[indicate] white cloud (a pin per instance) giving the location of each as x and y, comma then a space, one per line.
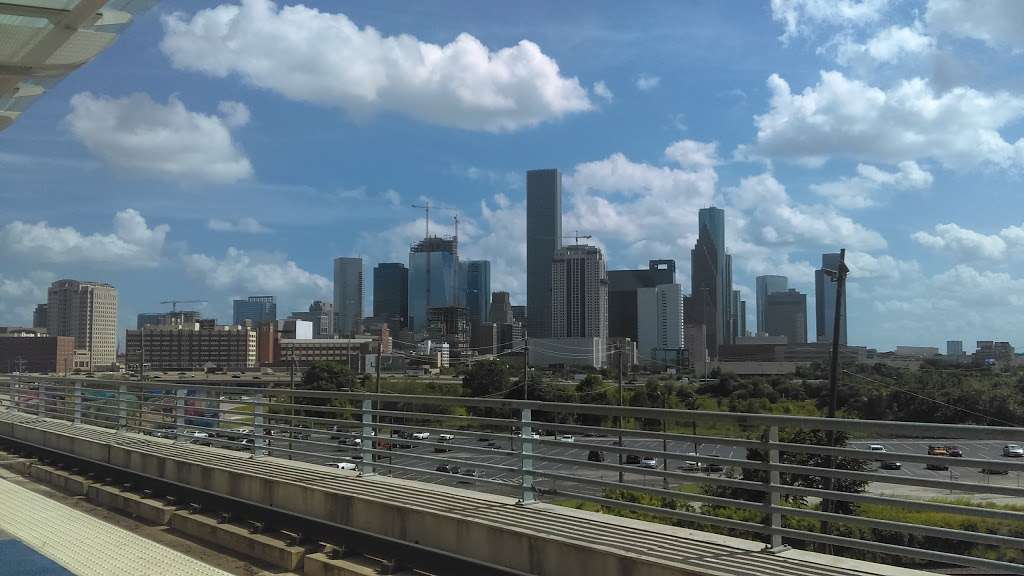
995, 22
866, 266
646, 82
694, 154
844, 117
972, 245
165, 140
19, 296
245, 272
312, 56
393, 198
601, 89
770, 217
245, 225
860, 191
132, 243
889, 45
800, 17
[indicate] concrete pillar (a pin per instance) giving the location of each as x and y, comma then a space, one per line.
77, 400
367, 438
526, 455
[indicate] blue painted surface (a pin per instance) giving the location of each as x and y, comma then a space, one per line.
17, 559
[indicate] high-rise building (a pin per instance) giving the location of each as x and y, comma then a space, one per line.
519, 314
954, 348
786, 315
543, 238
433, 278
743, 319
659, 322
39, 319
711, 279
825, 300
348, 296
391, 293
321, 315
765, 285
166, 318
191, 346
86, 311
579, 290
622, 294
450, 324
256, 309
501, 308
478, 290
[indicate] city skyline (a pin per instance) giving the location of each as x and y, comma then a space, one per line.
638, 160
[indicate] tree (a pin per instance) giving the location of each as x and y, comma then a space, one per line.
326, 376
591, 390
485, 378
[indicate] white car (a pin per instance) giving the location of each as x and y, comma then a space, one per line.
566, 438
876, 448
420, 435
446, 437
342, 465
691, 464
648, 462
1013, 451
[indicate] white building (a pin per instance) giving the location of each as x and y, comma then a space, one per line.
86, 311
586, 351
579, 293
659, 321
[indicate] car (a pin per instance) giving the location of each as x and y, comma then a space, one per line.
648, 462
890, 465
954, 451
167, 432
713, 467
1013, 451
443, 468
336, 432
632, 459
994, 471
421, 435
343, 465
937, 451
441, 449
595, 456
201, 438
876, 448
446, 437
469, 472
691, 464
566, 438
492, 445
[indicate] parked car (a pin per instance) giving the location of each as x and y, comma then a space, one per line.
421, 436
596, 456
446, 437
566, 438
648, 462
713, 467
632, 459
447, 468
343, 465
1013, 451
954, 451
167, 432
876, 448
691, 464
937, 451
994, 471
890, 465
470, 472
441, 449
201, 438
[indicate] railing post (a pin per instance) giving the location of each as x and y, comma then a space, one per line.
179, 412
257, 425
774, 495
122, 406
77, 391
41, 402
366, 441
526, 455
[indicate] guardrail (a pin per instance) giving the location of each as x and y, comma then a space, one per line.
774, 490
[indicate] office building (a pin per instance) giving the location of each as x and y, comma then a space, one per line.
622, 295
433, 279
86, 311
825, 300
166, 318
321, 316
587, 352
510, 336
990, 352
191, 347
501, 308
39, 318
786, 315
391, 294
256, 309
579, 290
917, 351
350, 352
543, 238
348, 296
486, 338
743, 332
765, 285
711, 280
659, 323
737, 315
33, 351
477, 277
519, 315
450, 324
954, 348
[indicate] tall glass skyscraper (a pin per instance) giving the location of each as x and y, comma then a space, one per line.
766, 285
478, 290
825, 301
348, 295
711, 280
258, 309
543, 238
433, 278
391, 292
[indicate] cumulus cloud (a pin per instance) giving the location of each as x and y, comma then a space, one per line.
131, 244
800, 17
646, 82
995, 22
323, 58
888, 46
19, 295
165, 140
393, 198
860, 191
244, 225
245, 272
693, 154
965, 243
846, 117
601, 89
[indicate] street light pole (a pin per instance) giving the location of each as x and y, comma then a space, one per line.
839, 275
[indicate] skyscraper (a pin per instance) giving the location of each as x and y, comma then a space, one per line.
579, 290
954, 348
543, 238
348, 296
786, 315
433, 278
391, 292
501, 308
258, 309
711, 279
86, 311
39, 316
321, 315
825, 301
765, 285
478, 290
659, 322
622, 294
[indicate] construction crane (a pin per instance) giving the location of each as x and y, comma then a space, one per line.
425, 207
174, 303
577, 236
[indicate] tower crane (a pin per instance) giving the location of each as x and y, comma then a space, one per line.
576, 237
174, 303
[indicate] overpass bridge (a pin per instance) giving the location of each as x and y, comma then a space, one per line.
260, 453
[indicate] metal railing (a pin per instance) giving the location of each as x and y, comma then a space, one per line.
763, 488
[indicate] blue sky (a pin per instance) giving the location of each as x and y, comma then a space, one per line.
220, 150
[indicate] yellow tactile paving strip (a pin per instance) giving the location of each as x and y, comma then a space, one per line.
87, 546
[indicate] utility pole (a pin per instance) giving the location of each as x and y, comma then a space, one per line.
526, 368
619, 416
839, 276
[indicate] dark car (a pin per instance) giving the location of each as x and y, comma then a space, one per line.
596, 456
632, 458
890, 465
954, 451
443, 468
713, 467
994, 471
441, 449
469, 472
